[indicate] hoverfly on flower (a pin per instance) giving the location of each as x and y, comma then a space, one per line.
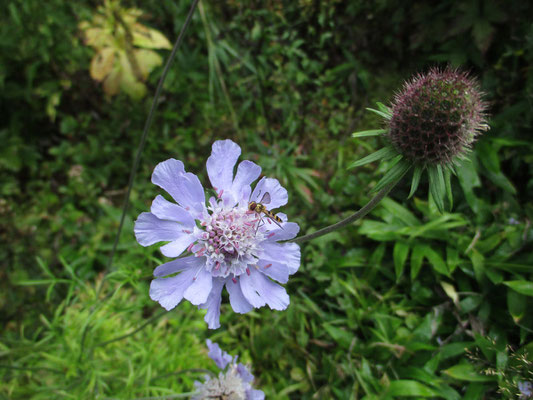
259, 207
219, 242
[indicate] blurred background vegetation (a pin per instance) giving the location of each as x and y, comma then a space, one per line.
408, 302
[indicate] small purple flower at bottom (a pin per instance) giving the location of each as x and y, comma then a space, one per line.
232, 383
225, 243
526, 389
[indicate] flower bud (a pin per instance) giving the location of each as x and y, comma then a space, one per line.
437, 116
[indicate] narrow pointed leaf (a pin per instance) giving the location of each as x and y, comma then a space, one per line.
417, 257
522, 287
372, 132
384, 108
411, 388
393, 175
416, 180
380, 113
385, 153
448, 184
437, 186
400, 253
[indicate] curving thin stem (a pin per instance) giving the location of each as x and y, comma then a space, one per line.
140, 328
354, 217
168, 396
185, 371
147, 127
135, 165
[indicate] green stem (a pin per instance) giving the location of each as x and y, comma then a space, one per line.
354, 217
169, 396
136, 161
147, 128
140, 328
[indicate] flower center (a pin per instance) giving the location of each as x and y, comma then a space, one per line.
227, 386
230, 239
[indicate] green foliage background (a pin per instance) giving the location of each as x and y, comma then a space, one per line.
407, 302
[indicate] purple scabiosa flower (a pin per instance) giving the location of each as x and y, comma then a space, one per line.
221, 243
526, 389
235, 383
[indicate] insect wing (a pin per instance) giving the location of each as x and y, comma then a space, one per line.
266, 198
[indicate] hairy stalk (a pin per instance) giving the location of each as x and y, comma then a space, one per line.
140, 328
354, 217
169, 396
147, 126
185, 371
136, 162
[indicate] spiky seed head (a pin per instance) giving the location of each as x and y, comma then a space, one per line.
437, 116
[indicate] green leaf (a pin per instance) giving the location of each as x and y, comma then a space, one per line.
470, 303
466, 372
475, 391
399, 254
393, 175
448, 184
488, 155
478, 262
400, 212
454, 349
385, 153
501, 180
452, 258
384, 108
373, 132
409, 388
417, 173
437, 186
436, 261
385, 115
417, 257
343, 337
522, 287
469, 179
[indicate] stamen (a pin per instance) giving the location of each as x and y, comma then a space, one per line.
268, 266
270, 235
186, 231
220, 194
200, 252
190, 247
248, 271
234, 280
217, 266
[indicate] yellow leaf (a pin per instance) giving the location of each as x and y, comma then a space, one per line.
102, 63
450, 291
131, 14
149, 38
112, 82
97, 37
147, 60
128, 82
